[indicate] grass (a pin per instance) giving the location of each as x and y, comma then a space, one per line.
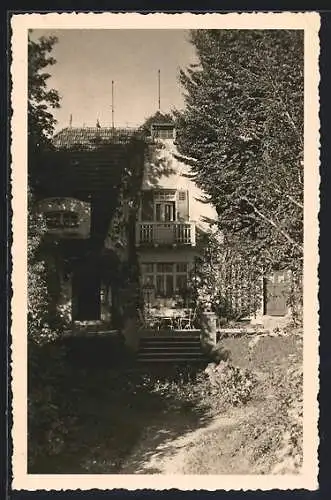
107, 408
268, 436
104, 404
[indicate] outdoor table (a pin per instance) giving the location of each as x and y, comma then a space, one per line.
172, 318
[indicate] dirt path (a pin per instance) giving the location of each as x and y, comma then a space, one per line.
158, 452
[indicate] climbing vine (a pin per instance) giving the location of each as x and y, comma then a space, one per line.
223, 281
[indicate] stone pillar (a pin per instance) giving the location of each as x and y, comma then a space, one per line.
130, 333
208, 330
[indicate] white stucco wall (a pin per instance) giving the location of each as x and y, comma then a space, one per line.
174, 178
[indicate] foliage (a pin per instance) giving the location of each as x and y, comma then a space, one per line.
40, 99
39, 329
44, 359
242, 130
45, 426
223, 281
272, 435
289, 455
212, 390
44, 322
234, 384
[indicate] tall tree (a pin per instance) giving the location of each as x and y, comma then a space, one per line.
41, 99
242, 132
40, 128
43, 327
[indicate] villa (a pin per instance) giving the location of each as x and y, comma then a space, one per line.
124, 217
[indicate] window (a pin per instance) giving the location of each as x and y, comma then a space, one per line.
60, 220
165, 267
165, 195
53, 220
164, 133
158, 212
169, 285
165, 211
169, 211
147, 267
168, 278
148, 280
165, 285
181, 267
70, 219
181, 282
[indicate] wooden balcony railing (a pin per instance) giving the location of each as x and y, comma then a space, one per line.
165, 233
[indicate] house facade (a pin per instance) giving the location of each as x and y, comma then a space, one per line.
171, 215
81, 189
124, 217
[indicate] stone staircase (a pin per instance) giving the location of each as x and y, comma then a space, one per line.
171, 349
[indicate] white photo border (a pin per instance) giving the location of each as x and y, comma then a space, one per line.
20, 24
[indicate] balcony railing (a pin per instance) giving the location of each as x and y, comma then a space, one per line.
165, 233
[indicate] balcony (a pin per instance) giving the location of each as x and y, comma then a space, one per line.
165, 233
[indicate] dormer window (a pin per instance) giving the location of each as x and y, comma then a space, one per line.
61, 220
163, 130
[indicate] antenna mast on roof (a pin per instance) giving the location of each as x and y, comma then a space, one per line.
112, 104
159, 87
70, 121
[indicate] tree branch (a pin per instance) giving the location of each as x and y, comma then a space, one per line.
286, 112
273, 224
289, 197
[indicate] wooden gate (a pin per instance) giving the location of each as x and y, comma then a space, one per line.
276, 294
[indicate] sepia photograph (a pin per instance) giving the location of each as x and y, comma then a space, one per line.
165, 197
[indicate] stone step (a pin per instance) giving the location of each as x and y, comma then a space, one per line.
170, 356
183, 340
171, 360
167, 352
171, 348
166, 345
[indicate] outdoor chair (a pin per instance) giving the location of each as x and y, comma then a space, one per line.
189, 320
167, 323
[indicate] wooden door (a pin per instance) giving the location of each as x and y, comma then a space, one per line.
86, 288
276, 294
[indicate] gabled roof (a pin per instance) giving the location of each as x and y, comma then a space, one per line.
89, 138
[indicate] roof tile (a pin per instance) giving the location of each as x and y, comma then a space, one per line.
89, 138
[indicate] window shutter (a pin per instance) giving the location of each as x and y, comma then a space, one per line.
147, 206
182, 205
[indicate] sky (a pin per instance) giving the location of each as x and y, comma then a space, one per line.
88, 61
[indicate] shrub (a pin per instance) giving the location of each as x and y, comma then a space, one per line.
232, 384
213, 389
224, 280
45, 427
289, 454
218, 354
